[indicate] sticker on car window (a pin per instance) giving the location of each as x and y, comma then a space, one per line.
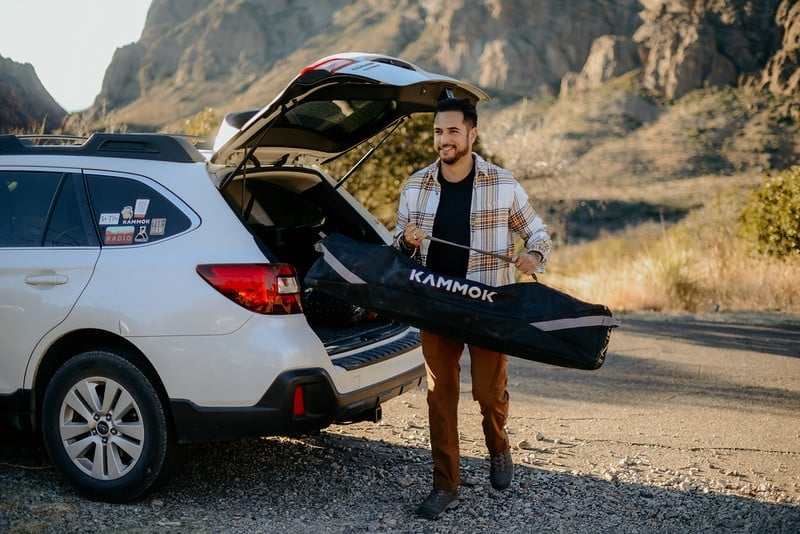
141, 208
141, 235
109, 218
157, 226
118, 235
127, 213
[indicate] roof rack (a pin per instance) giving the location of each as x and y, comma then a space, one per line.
158, 147
51, 139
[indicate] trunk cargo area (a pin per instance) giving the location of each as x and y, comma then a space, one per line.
288, 212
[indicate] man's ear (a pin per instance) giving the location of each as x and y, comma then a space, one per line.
473, 134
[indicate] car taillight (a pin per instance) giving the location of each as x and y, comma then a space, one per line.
329, 64
268, 288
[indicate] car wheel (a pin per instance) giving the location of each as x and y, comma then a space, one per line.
105, 427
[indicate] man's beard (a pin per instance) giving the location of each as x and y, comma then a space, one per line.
456, 155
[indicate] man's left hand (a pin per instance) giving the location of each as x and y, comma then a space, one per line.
527, 263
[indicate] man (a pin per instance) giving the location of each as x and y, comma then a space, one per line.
464, 199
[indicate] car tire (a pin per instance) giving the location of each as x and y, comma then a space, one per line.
105, 427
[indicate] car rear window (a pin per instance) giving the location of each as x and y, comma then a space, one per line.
336, 118
130, 212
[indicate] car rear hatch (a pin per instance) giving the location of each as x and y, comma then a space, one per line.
331, 107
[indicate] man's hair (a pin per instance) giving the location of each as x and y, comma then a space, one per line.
459, 104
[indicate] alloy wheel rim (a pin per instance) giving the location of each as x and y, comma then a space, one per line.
101, 428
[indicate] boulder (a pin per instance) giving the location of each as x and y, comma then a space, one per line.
609, 57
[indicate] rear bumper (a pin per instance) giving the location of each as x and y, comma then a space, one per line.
273, 414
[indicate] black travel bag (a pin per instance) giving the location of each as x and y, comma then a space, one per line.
525, 320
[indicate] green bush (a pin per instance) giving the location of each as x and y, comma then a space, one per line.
203, 123
771, 220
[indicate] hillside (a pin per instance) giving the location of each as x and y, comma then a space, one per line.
596, 93
25, 105
600, 106
616, 156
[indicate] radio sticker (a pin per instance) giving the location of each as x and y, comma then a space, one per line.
118, 235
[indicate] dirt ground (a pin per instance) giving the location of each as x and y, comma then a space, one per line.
707, 403
691, 425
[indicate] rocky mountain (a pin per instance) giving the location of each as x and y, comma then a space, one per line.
596, 92
239, 53
25, 105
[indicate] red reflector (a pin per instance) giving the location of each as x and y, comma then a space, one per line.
268, 288
299, 407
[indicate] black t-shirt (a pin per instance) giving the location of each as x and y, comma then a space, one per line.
452, 223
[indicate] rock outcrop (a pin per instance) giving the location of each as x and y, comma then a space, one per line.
686, 45
25, 105
782, 73
609, 57
689, 45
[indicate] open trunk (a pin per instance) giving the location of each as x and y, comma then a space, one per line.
288, 210
331, 107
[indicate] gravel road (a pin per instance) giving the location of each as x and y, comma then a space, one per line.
692, 425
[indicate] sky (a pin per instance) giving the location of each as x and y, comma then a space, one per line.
69, 42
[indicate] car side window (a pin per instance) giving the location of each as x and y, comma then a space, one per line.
43, 209
130, 212
69, 224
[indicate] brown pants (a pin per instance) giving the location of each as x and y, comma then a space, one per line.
489, 381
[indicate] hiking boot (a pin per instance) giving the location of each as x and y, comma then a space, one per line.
501, 469
437, 502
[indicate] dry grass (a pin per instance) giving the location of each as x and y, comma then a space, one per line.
697, 265
628, 155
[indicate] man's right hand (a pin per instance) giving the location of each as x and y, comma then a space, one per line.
413, 236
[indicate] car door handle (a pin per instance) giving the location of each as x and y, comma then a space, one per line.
46, 279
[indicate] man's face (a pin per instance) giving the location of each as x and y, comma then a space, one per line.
452, 138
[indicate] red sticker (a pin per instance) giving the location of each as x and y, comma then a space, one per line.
119, 235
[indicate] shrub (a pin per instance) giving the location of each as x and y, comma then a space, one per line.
771, 220
204, 123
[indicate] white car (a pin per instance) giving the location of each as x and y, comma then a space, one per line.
151, 294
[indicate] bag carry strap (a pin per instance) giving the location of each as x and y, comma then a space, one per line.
459, 245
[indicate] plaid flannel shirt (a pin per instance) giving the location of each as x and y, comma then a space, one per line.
500, 208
